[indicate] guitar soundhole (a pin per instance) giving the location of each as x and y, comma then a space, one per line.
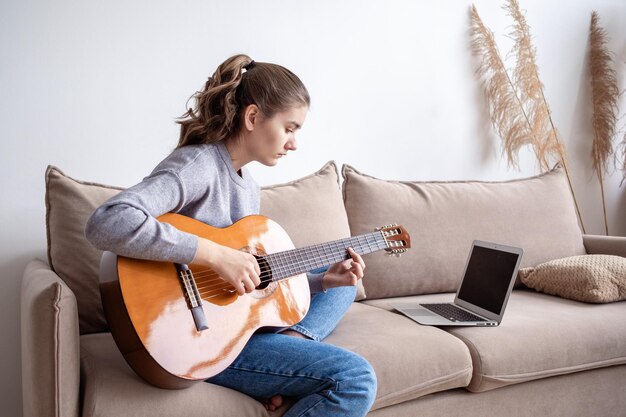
266, 272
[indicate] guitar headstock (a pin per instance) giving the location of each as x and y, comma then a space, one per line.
397, 239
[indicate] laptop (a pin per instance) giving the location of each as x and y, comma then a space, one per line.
488, 280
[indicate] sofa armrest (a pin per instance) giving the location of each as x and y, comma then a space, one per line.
605, 245
50, 344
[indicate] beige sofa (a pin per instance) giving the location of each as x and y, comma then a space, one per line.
549, 357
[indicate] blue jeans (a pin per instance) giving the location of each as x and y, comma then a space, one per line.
325, 380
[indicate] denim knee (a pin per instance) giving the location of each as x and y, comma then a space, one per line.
359, 384
369, 384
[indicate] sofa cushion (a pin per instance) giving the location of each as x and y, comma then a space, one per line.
444, 218
111, 388
540, 336
588, 278
69, 203
410, 361
595, 393
310, 209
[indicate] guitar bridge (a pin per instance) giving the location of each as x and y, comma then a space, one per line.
194, 301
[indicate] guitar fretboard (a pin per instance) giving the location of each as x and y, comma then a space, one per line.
297, 261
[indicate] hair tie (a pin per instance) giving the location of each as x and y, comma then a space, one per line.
249, 65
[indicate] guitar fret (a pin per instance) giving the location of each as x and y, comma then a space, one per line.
373, 245
361, 245
322, 253
275, 263
291, 259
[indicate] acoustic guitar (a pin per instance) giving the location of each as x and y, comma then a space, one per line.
177, 324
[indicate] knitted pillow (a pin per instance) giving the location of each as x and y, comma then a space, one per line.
588, 278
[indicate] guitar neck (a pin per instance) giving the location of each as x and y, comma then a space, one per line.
297, 261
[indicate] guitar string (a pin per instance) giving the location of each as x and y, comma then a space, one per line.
286, 268
221, 290
294, 254
283, 268
227, 290
218, 284
215, 280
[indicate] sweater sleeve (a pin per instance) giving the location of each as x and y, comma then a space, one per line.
127, 225
315, 278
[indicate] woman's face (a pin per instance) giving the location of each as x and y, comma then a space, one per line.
273, 137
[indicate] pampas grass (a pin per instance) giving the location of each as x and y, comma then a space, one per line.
547, 142
518, 108
605, 94
507, 112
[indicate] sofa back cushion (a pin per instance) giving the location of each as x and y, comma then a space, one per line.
443, 218
69, 203
310, 210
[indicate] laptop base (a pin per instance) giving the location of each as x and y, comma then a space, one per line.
422, 315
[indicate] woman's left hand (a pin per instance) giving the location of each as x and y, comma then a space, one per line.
345, 273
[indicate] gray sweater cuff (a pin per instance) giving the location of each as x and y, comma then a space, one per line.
315, 282
185, 250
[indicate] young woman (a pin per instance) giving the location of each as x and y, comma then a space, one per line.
247, 111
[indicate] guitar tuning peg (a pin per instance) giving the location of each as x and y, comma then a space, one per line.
387, 226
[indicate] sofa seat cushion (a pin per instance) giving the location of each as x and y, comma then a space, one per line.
111, 388
410, 361
540, 336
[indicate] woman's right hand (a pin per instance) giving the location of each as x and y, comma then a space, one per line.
239, 269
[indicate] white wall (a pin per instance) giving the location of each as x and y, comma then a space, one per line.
94, 87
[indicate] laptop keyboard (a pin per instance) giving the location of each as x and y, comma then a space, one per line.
452, 312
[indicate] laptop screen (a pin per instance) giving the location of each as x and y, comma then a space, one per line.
487, 278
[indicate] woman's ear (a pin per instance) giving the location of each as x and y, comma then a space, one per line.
251, 117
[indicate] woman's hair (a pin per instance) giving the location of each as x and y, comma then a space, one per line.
238, 82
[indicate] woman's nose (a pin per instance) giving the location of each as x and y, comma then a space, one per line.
291, 144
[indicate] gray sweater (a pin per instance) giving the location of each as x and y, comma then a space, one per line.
197, 181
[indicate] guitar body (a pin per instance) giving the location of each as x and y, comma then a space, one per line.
147, 309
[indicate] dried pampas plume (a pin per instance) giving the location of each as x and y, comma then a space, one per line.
518, 108
546, 140
506, 110
605, 93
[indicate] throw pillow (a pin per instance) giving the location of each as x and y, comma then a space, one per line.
588, 278
444, 217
